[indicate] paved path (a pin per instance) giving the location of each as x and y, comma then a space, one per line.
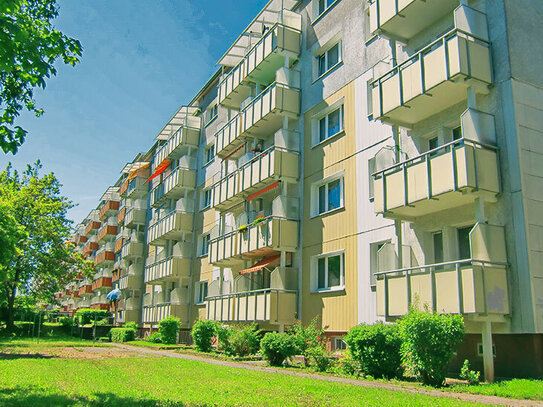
489, 400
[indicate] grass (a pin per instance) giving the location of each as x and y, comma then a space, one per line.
31, 344
515, 388
152, 345
172, 382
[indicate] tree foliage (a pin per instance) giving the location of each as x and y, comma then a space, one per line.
29, 47
43, 261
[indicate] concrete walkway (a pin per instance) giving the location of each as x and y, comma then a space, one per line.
489, 400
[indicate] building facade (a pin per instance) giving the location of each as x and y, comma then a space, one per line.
348, 159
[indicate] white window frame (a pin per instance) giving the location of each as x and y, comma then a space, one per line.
324, 114
315, 272
342, 344
206, 158
324, 52
198, 297
211, 113
315, 209
316, 3
204, 251
205, 204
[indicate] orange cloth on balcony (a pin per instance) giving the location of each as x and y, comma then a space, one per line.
159, 169
268, 261
263, 190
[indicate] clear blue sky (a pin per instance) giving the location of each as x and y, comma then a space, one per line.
142, 59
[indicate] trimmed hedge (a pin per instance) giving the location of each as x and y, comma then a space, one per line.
202, 335
168, 329
86, 315
121, 335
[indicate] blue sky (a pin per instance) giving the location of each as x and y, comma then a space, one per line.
142, 59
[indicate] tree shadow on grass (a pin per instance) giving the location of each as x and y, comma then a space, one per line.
29, 396
9, 356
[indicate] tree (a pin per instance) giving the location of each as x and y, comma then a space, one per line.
43, 261
29, 47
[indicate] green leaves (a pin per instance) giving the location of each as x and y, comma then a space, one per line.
29, 47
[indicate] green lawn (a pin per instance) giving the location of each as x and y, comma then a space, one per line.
156, 382
516, 388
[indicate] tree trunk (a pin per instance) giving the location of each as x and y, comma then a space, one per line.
10, 323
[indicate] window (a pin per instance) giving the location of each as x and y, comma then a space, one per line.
371, 180
201, 292
209, 154
374, 260
321, 6
339, 344
211, 114
206, 198
204, 244
457, 133
330, 125
328, 59
464, 249
330, 196
438, 248
329, 273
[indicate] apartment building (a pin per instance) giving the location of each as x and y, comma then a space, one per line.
347, 160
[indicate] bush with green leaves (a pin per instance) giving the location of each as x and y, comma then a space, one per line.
428, 343
121, 335
244, 340
168, 329
307, 337
319, 357
276, 347
472, 376
67, 323
347, 365
131, 325
377, 349
87, 316
223, 332
154, 338
202, 335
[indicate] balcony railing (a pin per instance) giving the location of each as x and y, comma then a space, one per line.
101, 283
90, 247
170, 227
263, 239
110, 208
155, 313
173, 186
137, 186
433, 79
168, 269
271, 305
92, 228
135, 217
187, 136
261, 62
468, 286
273, 164
99, 300
132, 250
121, 215
403, 19
261, 117
449, 176
104, 257
107, 233
131, 282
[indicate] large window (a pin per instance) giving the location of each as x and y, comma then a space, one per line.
206, 198
329, 196
328, 59
329, 273
211, 114
204, 244
330, 125
209, 154
201, 292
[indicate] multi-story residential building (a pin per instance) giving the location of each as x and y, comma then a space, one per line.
349, 159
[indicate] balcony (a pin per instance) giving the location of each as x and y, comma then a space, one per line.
90, 247
132, 250
403, 19
84, 303
260, 118
81, 239
434, 79
107, 233
121, 215
105, 256
268, 305
135, 217
101, 283
467, 286
131, 282
168, 269
92, 228
266, 238
178, 143
110, 208
262, 61
170, 227
173, 186
272, 165
449, 176
153, 314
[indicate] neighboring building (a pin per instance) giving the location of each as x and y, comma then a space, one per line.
347, 160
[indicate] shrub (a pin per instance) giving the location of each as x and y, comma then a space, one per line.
320, 357
347, 365
103, 339
244, 340
67, 323
131, 325
86, 315
168, 329
103, 322
202, 335
428, 343
307, 337
472, 376
223, 332
377, 349
276, 347
154, 338
121, 335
